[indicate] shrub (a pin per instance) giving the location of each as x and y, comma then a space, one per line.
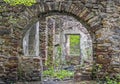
58, 74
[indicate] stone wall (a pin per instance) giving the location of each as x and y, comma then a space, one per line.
100, 17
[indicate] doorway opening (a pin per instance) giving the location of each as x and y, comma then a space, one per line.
67, 40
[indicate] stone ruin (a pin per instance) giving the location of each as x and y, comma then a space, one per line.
100, 18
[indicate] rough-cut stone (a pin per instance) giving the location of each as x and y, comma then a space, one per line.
90, 15
101, 13
4, 31
85, 10
95, 18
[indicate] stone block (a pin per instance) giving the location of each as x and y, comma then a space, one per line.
88, 69
5, 31
62, 6
36, 59
11, 65
89, 5
75, 11
1, 69
77, 76
84, 12
90, 15
13, 59
81, 77
95, 18
48, 6
101, 60
117, 70
102, 53
3, 58
102, 48
71, 8
56, 5
104, 44
95, 23
52, 6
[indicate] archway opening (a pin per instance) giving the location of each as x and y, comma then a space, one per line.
67, 44
71, 43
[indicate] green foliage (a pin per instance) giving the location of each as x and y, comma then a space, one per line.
20, 2
106, 79
48, 72
111, 81
12, 20
118, 76
96, 69
57, 60
75, 44
74, 40
58, 74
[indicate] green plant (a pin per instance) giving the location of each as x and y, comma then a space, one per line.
106, 78
110, 81
96, 69
20, 2
58, 74
74, 44
48, 72
118, 76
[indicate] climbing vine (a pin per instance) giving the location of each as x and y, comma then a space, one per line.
21, 2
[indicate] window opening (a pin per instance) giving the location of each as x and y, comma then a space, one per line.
73, 44
31, 41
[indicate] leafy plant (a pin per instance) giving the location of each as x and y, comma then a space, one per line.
106, 78
118, 76
20, 2
111, 81
58, 74
96, 70
48, 72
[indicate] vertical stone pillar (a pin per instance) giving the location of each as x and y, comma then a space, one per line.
42, 37
50, 41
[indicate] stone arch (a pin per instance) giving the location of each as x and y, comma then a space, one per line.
98, 16
52, 13
83, 14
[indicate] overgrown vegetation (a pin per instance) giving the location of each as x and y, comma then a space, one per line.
21, 2
62, 74
54, 69
106, 78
